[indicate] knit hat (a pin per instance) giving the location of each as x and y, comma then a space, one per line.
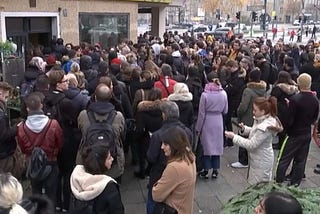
51, 60
304, 81
255, 75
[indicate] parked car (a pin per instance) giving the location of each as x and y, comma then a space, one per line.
222, 32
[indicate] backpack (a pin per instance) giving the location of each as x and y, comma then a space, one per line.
101, 132
273, 74
38, 169
52, 110
26, 88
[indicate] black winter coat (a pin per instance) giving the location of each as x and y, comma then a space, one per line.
155, 154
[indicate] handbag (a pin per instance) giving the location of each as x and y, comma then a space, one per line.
163, 208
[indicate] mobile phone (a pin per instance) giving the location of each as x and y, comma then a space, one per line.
236, 123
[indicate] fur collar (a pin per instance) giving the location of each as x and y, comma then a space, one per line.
288, 89
149, 105
180, 97
257, 85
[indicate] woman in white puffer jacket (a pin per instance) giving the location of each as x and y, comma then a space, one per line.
260, 138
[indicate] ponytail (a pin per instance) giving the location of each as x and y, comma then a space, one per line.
273, 106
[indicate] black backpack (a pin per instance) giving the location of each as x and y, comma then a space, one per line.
273, 74
52, 110
38, 169
101, 132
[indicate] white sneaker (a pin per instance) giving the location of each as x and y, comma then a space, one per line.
238, 165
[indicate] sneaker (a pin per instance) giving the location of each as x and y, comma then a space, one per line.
204, 174
318, 165
238, 165
214, 174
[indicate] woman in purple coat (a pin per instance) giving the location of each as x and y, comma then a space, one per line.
213, 104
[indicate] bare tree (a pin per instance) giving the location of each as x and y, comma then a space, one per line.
292, 7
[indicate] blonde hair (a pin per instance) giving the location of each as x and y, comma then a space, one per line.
11, 194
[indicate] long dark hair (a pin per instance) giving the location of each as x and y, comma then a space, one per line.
179, 144
94, 158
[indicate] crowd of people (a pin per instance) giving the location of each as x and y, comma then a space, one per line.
85, 109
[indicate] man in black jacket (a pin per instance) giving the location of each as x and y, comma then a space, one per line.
303, 111
7, 134
155, 155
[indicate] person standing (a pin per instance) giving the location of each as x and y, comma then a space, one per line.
303, 112
40, 131
255, 88
314, 30
176, 187
209, 126
260, 138
8, 144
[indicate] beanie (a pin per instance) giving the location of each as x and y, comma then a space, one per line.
255, 75
304, 81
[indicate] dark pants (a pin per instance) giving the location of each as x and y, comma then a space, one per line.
211, 162
295, 149
49, 184
243, 156
227, 127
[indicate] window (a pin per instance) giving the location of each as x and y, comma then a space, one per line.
105, 28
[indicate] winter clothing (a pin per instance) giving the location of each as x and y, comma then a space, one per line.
250, 93
213, 104
29, 133
165, 90
182, 97
176, 186
101, 111
259, 146
303, 112
90, 74
7, 135
101, 189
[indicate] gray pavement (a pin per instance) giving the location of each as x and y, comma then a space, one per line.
210, 194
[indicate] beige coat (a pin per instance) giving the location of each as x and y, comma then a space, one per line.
176, 186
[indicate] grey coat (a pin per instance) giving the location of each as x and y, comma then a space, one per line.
250, 93
259, 145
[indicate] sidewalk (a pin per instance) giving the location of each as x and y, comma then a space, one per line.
210, 194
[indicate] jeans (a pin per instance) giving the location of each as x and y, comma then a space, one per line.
211, 162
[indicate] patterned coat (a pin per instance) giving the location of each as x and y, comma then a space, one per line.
213, 104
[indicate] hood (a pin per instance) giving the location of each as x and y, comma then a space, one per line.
257, 85
180, 97
176, 54
149, 105
85, 63
72, 92
95, 56
90, 74
101, 108
269, 122
85, 186
211, 87
288, 89
36, 122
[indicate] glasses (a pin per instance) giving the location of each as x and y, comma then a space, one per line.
63, 81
